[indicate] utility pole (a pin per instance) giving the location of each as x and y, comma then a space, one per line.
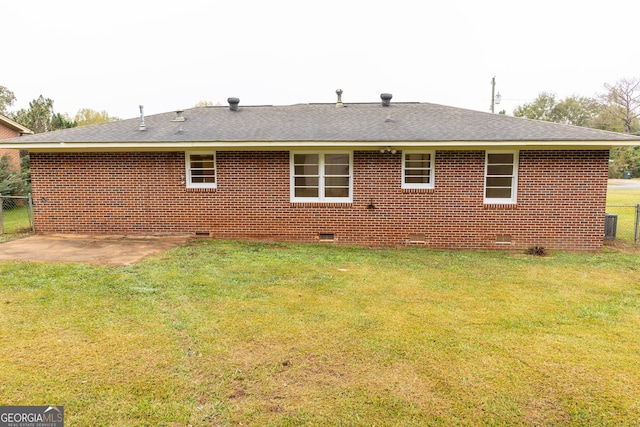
495, 97
493, 94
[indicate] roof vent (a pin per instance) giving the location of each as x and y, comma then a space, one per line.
233, 103
339, 104
179, 117
142, 125
386, 99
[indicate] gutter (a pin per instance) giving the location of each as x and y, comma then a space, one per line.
288, 145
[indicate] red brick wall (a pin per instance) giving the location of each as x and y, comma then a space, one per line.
561, 200
6, 133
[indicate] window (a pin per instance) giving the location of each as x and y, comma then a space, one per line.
201, 169
417, 169
321, 177
501, 172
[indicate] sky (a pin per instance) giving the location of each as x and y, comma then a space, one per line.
169, 55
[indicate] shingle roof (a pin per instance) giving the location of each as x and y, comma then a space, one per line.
6, 121
401, 122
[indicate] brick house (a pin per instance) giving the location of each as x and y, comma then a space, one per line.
369, 174
10, 129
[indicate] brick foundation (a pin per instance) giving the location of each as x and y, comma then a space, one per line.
561, 200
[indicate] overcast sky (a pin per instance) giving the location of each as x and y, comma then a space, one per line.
167, 55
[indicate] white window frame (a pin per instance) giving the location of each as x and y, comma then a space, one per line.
432, 163
514, 178
188, 177
321, 190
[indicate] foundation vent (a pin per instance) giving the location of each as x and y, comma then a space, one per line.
326, 237
417, 238
203, 234
503, 239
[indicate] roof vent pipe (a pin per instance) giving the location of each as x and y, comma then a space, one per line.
142, 125
386, 99
233, 103
339, 104
179, 116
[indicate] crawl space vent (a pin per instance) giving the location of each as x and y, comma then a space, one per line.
503, 239
416, 238
326, 237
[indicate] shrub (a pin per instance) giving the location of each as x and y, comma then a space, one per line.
537, 251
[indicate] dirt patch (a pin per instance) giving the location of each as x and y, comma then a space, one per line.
82, 249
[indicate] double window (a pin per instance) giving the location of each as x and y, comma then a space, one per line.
200, 169
417, 169
321, 177
501, 177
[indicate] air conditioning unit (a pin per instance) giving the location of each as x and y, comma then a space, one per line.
610, 226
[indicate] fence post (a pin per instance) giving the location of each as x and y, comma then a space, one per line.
1, 219
33, 225
637, 234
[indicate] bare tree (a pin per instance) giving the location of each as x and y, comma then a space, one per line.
622, 102
7, 98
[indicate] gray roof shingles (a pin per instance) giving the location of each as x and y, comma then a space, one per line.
325, 122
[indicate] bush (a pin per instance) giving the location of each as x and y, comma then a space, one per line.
537, 251
10, 179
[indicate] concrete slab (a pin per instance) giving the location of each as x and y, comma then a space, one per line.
84, 249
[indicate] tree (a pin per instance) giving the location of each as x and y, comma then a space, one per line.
540, 109
10, 180
625, 159
40, 117
573, 110
25, 173
206, 104
622, 103
620, 113
87, 116
577, 111
7, 98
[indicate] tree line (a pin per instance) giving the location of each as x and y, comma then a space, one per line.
617, 109
39, 117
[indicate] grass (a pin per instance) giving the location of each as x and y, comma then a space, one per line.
622, 201
222, 333
16, 223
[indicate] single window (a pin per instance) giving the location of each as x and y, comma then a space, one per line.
323, 177
200, 169
501, 173
417, 169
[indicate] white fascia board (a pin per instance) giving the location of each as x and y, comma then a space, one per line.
287, 145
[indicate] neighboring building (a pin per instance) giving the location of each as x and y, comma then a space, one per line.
10, 129
367, 174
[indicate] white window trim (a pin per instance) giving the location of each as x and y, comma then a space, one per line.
432, 164
514, 189
187, 160
321, 197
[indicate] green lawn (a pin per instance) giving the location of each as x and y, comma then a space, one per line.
221, 333
622, 201
16, 223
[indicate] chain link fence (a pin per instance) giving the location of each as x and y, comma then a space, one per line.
16, 215
623, 223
